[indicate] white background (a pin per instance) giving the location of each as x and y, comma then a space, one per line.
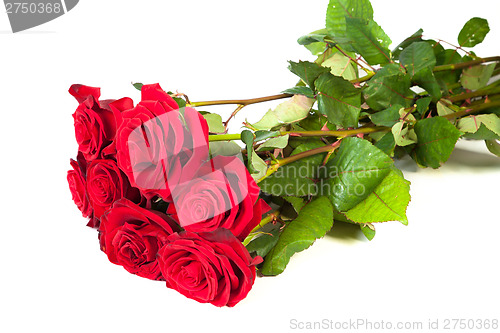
53, 276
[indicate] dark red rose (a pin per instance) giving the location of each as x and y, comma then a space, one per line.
131, 237
96, 121
77, 186
210, 267
158, 145
222, 194
81, 92
106, 183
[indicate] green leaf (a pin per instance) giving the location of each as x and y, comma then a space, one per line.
138, 85
316, 48
290, 111
423, 105
297, 203
448, 57
387, 202
477, 77
264, 135
416, 37
443, 110
314, 123
387, 117
279, 142
354, 172
224, 148
473, 32
259, 166
436, 140
314, 41
369, 40
307, 71
181, 102
419, 60
264, 243
339, 10
483, 133
416, 57
368, 230
297, 178
214, 121
390, 86
313, 37
306, 91
340, 65
386, 144
425, 79
493, 146
339, 100
472, 123
313, 222
402, 135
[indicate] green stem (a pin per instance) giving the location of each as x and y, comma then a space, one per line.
338, 134
243, 102
480, 92
491, 98
287, 160
451, 67
224, 137
364, 78
472, 110
269, 218
238, 109
368, 71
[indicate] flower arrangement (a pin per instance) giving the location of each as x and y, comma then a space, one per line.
174, 198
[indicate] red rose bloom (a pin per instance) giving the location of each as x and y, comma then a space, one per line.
158, 145
131, 237
77, 186
96, 121
210, 267
106, 183
222, 194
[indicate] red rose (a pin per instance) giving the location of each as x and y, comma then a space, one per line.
77, 186
96, 121
158, 145
106, 183
210, 267
222, 194
131, 237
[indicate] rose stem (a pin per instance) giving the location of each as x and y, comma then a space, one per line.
269, 218
243, 102
277, 164
472, 110
451, 67
339, 134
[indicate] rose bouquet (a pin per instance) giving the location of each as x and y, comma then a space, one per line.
176, 198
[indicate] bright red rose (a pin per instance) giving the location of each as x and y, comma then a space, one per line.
158, 145
78, 184
96, 121
106, 183
131, 237
222, 194
210, 267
